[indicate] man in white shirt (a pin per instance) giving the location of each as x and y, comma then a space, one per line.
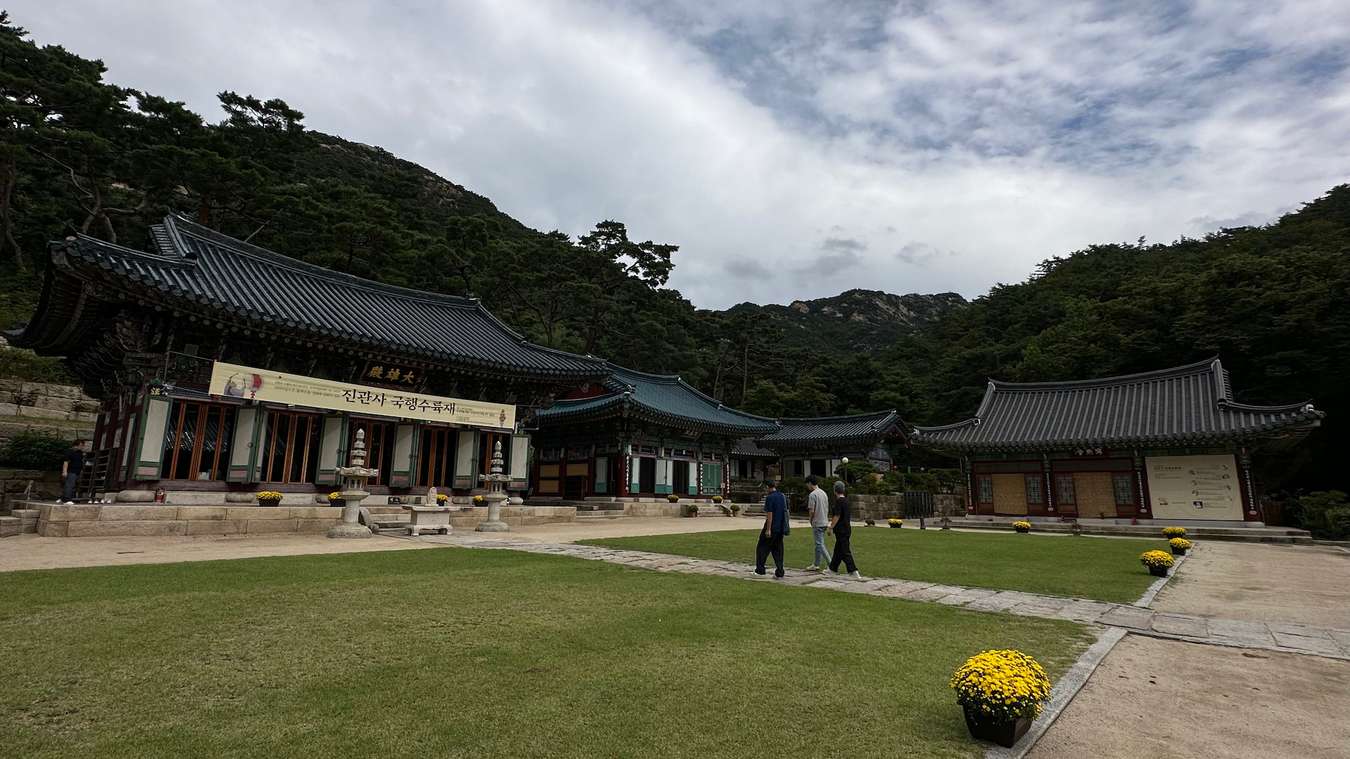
818, 507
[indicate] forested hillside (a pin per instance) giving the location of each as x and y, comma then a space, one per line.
80, 155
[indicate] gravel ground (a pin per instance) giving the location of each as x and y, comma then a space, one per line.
1155, 697
1263, 583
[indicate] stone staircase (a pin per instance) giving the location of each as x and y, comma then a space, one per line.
18, 522
385, 519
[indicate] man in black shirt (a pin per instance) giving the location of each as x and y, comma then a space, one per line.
70, 470
841, 524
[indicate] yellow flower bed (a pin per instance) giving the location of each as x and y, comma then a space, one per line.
1174, 532
1001, 685
1156, 559
1180, 544
1021, 524
268, 495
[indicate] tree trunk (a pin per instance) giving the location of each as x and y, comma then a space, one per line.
9, 175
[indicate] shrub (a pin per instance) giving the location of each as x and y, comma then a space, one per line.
691, 509
1174, 532
1326, 514
34, 449
1153, 559
27, 365
716, 499
1003, 685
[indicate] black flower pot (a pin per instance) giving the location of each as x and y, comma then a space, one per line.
269, 502
1178, 551
897, 526
1022, 529
1158, 571
1003, 732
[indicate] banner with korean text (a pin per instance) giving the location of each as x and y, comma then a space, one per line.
250, 383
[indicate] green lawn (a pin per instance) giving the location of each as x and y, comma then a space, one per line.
454, 652
1106, 569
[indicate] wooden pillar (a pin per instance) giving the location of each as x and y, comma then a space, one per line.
625, 461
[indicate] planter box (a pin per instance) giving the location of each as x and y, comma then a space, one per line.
432, 518
1005, 734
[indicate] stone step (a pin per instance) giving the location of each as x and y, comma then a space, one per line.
1283, 535
10, 526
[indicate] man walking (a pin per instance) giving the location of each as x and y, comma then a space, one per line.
775, 528
70, 470
842, 525
818, 506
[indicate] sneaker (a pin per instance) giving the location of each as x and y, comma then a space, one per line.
758, 572
856, 576
813, 568
777, 575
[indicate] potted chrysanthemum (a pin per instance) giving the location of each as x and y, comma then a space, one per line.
268, 498
1158, 562
1022, 525
1174, 532
895, 523
691, 509
479, 500
1001, 692
1179, 546
335, 499
673, 498
717, 499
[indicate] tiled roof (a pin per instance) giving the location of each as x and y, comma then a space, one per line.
1189, 404
746, 447
831, 430
199, 269
662, 399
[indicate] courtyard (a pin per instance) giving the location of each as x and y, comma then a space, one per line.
659, 645
480, 653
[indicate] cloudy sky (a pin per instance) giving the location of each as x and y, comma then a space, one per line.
794, 149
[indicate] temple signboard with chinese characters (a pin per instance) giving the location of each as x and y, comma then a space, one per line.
251, 383
392, 375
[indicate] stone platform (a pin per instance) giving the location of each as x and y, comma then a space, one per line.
110, 520
1151, 529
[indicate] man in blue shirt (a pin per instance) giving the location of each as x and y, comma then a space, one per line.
775, 528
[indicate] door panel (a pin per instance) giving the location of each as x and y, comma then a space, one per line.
1010, 494
1094, 495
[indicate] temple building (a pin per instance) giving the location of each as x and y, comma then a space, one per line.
638, 435
1171, 444
224, 366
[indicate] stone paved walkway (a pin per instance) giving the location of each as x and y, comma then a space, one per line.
1271, 636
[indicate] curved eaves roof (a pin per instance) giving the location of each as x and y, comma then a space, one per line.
1190, 404
197, 267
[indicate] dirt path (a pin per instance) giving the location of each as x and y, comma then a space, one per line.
1256, 582
1155, 697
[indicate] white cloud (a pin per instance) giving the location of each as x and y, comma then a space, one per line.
750, 134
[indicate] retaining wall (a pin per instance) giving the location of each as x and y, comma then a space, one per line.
104, 520
13, 483
60, 409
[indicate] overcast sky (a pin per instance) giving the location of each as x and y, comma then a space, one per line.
794, 149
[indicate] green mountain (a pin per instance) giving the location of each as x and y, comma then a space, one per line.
78, 154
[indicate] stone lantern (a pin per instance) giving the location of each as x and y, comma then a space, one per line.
354, 479
496, 482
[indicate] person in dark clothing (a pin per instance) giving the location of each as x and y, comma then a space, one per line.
842, 526
775, 528
70, 470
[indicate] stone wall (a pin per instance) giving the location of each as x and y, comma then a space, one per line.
880, 507
13, 483
102, 520
61, 409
